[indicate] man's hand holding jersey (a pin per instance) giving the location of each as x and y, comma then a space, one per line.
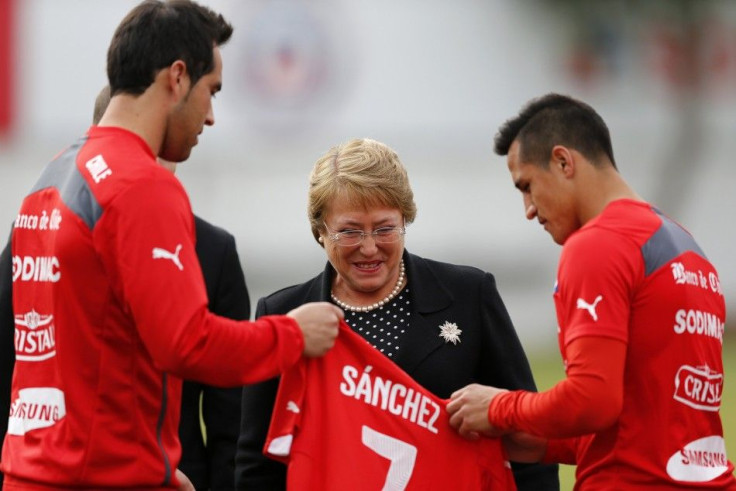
319, 324
468, 410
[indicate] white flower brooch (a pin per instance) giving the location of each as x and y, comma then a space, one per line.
450, 332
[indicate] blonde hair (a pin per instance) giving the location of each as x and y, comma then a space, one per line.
101, 103
367, 173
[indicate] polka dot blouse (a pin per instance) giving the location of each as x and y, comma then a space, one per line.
385, 326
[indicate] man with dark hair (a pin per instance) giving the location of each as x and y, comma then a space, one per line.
207, 457
109, 304
557, 119
641, 317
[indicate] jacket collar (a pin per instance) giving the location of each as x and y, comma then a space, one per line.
428, 293
428, 296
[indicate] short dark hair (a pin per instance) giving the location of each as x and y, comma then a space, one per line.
155, 34
551, 120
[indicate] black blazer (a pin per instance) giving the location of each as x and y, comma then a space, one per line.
211, 466
489, 353
208, 466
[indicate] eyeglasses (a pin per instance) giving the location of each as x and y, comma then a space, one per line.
383, 235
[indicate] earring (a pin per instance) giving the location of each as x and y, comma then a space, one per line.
320, 240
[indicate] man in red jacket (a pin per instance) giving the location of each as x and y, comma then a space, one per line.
641, 316
109, 303
209, 423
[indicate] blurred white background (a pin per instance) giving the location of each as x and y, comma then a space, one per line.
431, 78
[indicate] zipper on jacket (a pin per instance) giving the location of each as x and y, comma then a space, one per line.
159, 431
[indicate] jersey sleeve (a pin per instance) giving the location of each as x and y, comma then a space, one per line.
594, 290
287, 413
588, 400
146, 240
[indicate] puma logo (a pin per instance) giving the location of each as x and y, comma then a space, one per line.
291, 406
159, 253
590, 307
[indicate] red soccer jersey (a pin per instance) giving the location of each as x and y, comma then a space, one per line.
634, 275
354, 420
108, 297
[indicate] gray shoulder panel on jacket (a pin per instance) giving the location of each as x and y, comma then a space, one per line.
62, 174
668, 242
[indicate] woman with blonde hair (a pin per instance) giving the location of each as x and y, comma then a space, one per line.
443, 324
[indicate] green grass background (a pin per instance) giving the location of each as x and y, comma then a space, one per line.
548, 370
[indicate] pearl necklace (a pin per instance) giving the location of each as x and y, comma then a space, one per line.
380, 303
